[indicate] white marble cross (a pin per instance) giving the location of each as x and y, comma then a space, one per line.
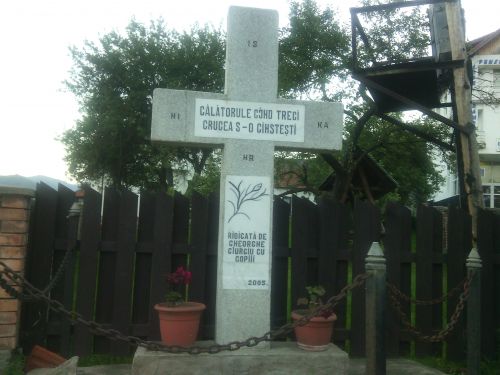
249, 122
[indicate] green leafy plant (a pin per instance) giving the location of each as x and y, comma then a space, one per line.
177, 283
15, 365
314, 300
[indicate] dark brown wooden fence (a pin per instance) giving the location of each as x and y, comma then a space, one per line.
127, 247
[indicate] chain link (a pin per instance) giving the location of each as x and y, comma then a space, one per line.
73, 213
60, 270
29, 291
52, 283
398, 293
441, 335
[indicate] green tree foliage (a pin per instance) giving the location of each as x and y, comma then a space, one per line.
408, 158
314, 49
114, 80
208, 180
394, 35
308, 60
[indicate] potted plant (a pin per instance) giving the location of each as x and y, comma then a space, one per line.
179, 319
317, 333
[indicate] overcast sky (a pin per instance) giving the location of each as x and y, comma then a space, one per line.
35, 36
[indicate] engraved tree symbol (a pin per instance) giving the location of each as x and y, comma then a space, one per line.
243, 195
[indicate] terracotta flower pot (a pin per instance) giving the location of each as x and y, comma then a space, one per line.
42, 358
316, 334
179, 324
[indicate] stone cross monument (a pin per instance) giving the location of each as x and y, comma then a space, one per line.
249, 122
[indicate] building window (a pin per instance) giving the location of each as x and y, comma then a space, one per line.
496, 78
479, 120
491, 195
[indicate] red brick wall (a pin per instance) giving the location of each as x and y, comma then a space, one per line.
14, 225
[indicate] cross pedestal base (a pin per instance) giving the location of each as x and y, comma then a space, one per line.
283, 358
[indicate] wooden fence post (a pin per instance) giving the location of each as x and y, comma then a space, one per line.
73, 236
474, 314
90, 238
375, 311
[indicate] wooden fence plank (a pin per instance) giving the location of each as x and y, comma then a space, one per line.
69, 228
397, 246
142, 308
486, 248
87, 276
125, 245
334, 225
198, 248
143, 263
366, 230
38, 265
496, 282
495, 223
180, 236
301, 249
326, 261
279, 272
211, 276
107, 267
312, 249
115, 266
429, 230
162, 256
425, 222
437, 278
339, 230
458, 246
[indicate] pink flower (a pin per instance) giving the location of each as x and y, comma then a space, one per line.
180, 276
177, 282
187, 277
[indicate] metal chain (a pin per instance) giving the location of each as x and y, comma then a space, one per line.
73, 212
441, 335
398, 293
329, 305
31, 291
61, 269
57, 275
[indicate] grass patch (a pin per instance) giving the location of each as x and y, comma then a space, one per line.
456, 368
103, 359
488, 367
15, 365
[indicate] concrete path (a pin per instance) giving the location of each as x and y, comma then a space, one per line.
357, 367
397, 366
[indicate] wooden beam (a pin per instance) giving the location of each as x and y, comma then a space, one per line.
412, 104
401, 4
416, 131
463, 98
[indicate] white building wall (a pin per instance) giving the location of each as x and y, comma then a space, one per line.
487, 111
450, 186
486, 115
